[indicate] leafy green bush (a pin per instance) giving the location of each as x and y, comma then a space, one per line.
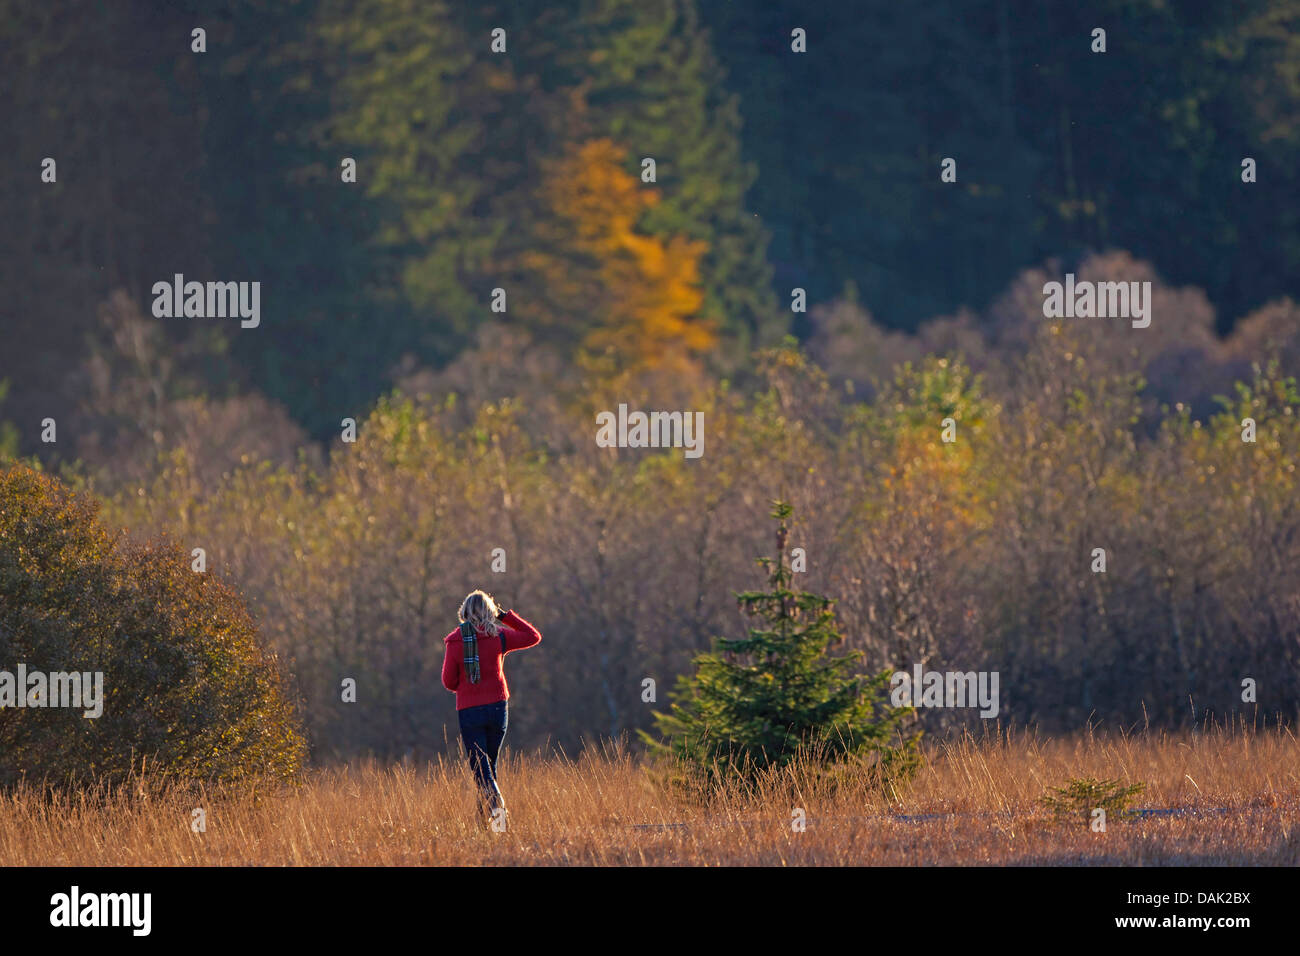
187, 691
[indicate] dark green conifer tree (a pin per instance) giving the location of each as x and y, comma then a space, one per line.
779, 694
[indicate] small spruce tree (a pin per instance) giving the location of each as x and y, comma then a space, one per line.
779, 695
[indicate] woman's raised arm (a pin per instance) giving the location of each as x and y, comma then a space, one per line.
519, 633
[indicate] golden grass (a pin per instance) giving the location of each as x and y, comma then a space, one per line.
585, 811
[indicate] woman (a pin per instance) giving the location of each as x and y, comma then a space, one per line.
473, 669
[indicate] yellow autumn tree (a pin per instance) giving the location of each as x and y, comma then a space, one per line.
632, 296
935, 413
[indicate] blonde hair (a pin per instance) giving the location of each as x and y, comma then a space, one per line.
480, 610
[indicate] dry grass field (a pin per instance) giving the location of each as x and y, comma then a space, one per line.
1241, 790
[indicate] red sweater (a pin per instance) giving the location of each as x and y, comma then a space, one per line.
491, 687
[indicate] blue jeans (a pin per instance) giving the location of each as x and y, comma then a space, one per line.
482, 729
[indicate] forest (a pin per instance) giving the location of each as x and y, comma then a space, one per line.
440, 241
